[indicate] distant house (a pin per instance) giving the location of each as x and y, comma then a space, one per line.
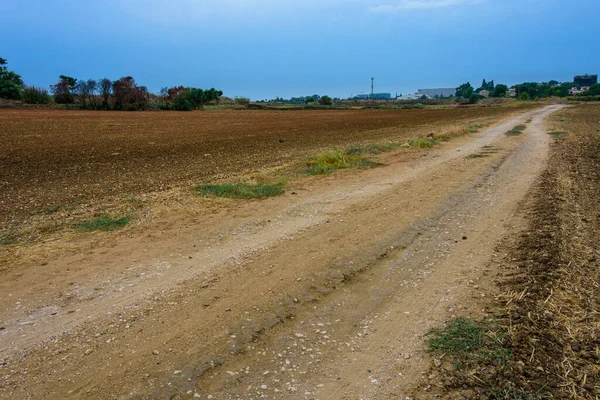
575, 91
484, 93
512, 92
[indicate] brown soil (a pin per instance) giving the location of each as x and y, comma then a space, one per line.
55, 158
546, 295
324, 292
555, 268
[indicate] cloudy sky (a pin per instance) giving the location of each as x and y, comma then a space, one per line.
269, 48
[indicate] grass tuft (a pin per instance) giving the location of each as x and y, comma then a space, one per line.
422, 143
558, 135
465, 343
103, 223
517, 130
242, 190
326, 163
8, 238
374, 148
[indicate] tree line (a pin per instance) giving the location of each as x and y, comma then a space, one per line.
104, 94
525, 91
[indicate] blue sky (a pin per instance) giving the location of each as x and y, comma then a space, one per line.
268, 48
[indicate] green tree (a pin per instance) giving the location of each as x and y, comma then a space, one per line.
499, 90
11, 84
325, 101
62, 90
594, 90
474, 98
465, 90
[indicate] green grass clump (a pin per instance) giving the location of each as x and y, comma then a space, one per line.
517, 130
8, 238
422, 143
558, 135
103, 223
374, 148
326, 163
465, 343
242, 190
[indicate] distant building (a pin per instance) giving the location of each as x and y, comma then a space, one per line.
586, 80
484, 93
441, 92
575, 91
410, 97
512, 92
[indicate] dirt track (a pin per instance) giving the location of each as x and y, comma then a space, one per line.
323, 294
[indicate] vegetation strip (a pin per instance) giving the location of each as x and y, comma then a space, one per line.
242, 190
517, 130
104, 223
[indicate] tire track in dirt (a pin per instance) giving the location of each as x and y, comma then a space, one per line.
346, 234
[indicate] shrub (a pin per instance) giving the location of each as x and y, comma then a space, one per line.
34, 95
242, 101
474, 98
330, 161
183, 102
102, 224
242, 190
325, 101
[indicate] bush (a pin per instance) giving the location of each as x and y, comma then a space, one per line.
183, 102
242, 190
242, 101
474, 98
33, 95
325, 101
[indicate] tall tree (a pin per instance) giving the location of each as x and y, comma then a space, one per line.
128, 95
85, 90
11, 84
62, 90
465, 90
105, 88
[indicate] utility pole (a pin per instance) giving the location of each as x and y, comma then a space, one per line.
372, 88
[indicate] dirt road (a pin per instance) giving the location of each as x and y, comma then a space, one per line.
323, 293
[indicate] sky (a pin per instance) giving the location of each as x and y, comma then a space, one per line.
268, 48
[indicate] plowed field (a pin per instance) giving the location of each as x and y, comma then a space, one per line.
56, 157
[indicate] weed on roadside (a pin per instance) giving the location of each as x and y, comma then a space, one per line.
326, 163
7, 238
374, 148
104, 223
465, 342
242, 190
558, 135
517, 130
422, 143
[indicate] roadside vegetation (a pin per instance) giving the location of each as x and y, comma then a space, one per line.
243, 190
544, 341
103, 223
330, 161
517, 130
558, 135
